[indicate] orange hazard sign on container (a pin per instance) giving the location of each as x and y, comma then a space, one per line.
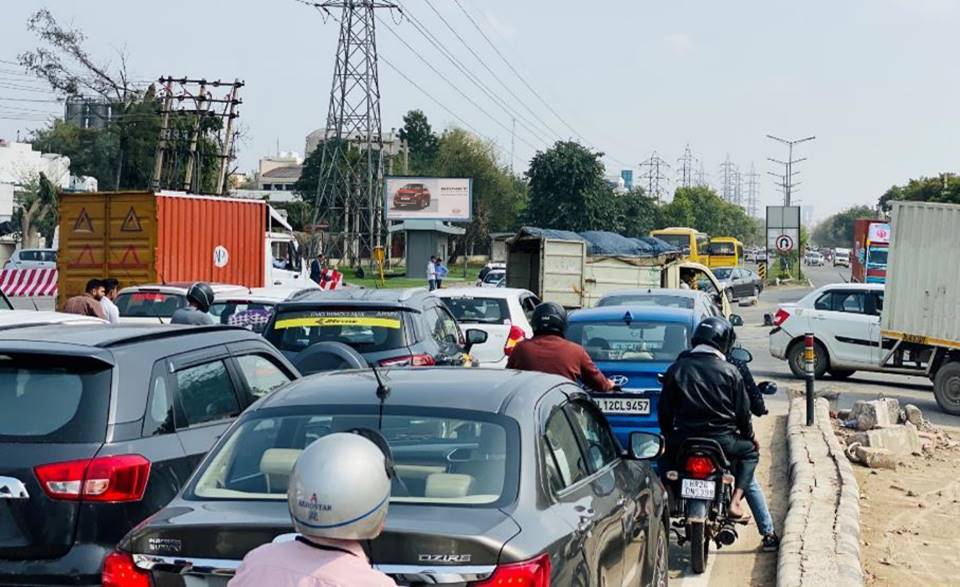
132, 222
83, 222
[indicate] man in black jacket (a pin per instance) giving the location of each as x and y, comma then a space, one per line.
704, 396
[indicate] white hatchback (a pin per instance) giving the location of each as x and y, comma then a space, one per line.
845, 321
32, 259
503, 313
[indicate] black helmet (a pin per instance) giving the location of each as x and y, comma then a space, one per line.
201, 294
716, 332
549, 317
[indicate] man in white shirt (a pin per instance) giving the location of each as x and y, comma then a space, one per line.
432, 273
110, 310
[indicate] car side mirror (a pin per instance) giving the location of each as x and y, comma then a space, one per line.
736, 320
741, 354
660, 378
645, 446
475, 336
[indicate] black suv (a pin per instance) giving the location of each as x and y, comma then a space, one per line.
101, 426
387, 327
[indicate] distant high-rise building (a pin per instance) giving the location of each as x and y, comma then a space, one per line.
627, 175
88, 112
806, 213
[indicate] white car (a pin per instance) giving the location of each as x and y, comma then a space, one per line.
845, 321
814, 259
32, 259
841, 257
155, 304
24, 318
503, 313
494, 278
250, 308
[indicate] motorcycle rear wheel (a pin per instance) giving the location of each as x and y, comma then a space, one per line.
699, 546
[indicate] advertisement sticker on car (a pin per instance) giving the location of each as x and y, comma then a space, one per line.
388, 321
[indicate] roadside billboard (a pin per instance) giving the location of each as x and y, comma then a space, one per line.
429, 198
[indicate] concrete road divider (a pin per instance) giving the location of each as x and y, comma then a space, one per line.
821, 538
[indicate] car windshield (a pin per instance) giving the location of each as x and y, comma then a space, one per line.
648, 300
638, 341
479, 310
680, 241
53, 399
723, 273
149, 304
723, 249
440, 456
367, 331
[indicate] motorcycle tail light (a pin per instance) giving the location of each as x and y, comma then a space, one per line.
699, 467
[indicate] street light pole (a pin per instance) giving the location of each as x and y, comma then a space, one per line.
788, 182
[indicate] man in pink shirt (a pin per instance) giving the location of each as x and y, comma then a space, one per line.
338, 495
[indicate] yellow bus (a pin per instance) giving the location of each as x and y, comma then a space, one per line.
691, 241
725, 251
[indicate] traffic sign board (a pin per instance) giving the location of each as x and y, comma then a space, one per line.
784, 243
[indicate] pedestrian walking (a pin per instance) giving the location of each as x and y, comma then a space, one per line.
316, 268
442, 272
111, 287
432, 273
199, 300
87, 303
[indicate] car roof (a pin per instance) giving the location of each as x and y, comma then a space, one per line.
259, 294
638, 311
480, 292
851, 286
24, 318
180, 287
486, 390
357, 296
100, 335
676, 292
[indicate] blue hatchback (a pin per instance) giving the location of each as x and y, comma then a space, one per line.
631, 345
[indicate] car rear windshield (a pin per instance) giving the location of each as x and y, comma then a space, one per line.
479, 310
724, 249
250, 315
648, 300
367, 331
441, 456
680, 241
638, 341
723, 272
149, 304
46, 398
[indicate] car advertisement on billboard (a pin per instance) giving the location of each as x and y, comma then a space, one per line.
429, 198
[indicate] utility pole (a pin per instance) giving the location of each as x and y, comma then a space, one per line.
227, 153
349, 199
162, 143
728, 170
686, 172
788, 182
513, 138
200, 99
753, 191
655, 175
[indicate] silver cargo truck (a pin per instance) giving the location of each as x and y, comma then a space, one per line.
920, 319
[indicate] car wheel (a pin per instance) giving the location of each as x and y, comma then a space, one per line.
946, 388
660, 575
795, 359
841, 373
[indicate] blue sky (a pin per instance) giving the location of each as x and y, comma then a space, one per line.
872, 79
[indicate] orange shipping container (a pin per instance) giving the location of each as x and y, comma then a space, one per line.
146, 237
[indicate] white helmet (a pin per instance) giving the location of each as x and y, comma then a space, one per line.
340, 487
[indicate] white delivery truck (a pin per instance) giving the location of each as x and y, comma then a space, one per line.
561, 266
920, 319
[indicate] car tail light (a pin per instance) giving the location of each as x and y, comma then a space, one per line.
119, 570
114, 478
531, 573
699, 467
780, 317
516, 335
409, 361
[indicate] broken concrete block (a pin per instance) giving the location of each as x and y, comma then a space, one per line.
876, 413
900, 440
913, 415
875, 458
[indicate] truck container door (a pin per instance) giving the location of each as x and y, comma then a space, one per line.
562, 264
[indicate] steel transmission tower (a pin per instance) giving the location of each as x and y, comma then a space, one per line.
728, 180
349, 200
686, 173
753, 191
655, 175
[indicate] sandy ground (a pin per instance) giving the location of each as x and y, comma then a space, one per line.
909, 519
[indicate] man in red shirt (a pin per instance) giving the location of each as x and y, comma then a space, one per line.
549, 352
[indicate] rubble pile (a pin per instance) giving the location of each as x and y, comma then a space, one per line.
879, 434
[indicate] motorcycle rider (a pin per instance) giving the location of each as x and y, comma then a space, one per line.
549, 352
704, 396
338, 495
757, 501
199, 299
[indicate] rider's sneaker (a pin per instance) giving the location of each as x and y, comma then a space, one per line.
771, 542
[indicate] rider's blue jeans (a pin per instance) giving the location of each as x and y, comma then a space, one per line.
758, 505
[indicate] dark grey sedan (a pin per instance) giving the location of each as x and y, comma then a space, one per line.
503, 478
738, 282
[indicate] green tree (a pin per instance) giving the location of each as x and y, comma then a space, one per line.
701, 208
36, 211
944, 188
421, 141
837, 230
638, 213
567, 190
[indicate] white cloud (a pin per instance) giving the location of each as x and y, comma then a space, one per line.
679, 43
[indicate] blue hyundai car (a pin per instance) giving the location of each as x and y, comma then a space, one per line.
631, 345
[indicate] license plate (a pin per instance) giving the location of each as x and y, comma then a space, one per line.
698, 489
623, 405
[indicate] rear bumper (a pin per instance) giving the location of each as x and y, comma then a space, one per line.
779, 342
80, 566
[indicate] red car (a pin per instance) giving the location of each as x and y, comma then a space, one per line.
412, 195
